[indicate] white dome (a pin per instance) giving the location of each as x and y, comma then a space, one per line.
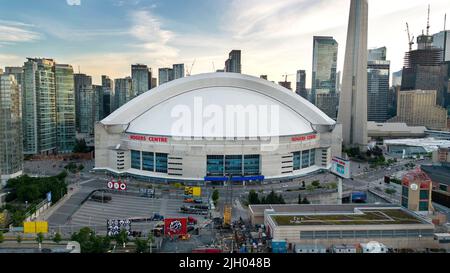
203, 106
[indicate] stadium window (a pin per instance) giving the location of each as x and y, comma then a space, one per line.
135, 160
161, 163
297, 161
148, 161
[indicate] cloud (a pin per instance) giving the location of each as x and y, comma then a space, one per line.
152, 38
13, 32
73, 2
10, 60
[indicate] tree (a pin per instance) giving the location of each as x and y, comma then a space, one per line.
80, 146
90, 243
2, 238
316, 184
40, 239
141, 245
306, 201
122, 238
57, 239
299, 199
80, 167
19, 239
215, 196
253, 198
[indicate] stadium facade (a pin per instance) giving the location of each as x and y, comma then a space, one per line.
213, 127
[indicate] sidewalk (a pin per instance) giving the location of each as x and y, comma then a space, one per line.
46, 214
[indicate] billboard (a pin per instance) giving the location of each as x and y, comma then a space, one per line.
194, 191
35, 227
341, 167
175, 226
114, 226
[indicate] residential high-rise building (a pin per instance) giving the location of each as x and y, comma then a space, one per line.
178, 71
301, 84
441, 40
353, 98
98, 102
323, 91
378, 72
123, 92
17, 71
65, 108
84, 101
39, 107
11, 144
141, 79
419, 108
108, 96
165, 75
233, 63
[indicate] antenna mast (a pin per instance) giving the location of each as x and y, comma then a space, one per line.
428, 21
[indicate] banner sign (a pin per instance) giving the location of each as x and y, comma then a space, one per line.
175, 226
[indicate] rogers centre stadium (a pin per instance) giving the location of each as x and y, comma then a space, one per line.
215, 127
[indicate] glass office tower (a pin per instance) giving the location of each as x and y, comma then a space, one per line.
323, 91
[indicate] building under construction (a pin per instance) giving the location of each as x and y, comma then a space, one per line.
425, 68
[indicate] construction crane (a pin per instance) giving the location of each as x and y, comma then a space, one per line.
410, 39
286, 76
189, 71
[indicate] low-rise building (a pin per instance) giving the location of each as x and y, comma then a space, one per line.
409, 148
382, 131
391, 225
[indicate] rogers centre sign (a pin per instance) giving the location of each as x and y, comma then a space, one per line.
304, 138
150, 139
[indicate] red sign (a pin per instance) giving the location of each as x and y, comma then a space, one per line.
117, 185
303, 138
150, 139
175, 226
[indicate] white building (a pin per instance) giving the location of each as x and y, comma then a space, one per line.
211, 126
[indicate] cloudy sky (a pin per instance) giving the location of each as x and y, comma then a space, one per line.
106, 36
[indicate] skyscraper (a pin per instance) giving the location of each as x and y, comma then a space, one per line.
17, 71
178, 71
378, 71
65, 108
301, 84
141, 77
123, 92
11, 144
165, 75
39, 107
323, 91
98, 102
84, 101
233, 63
424, 69
441, 40
353, 99
108, 96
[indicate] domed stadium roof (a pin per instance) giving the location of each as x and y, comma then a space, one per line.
185, 107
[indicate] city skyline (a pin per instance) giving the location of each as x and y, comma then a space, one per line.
160, 33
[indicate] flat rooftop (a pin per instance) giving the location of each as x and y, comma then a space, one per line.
258, 210
361, 216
